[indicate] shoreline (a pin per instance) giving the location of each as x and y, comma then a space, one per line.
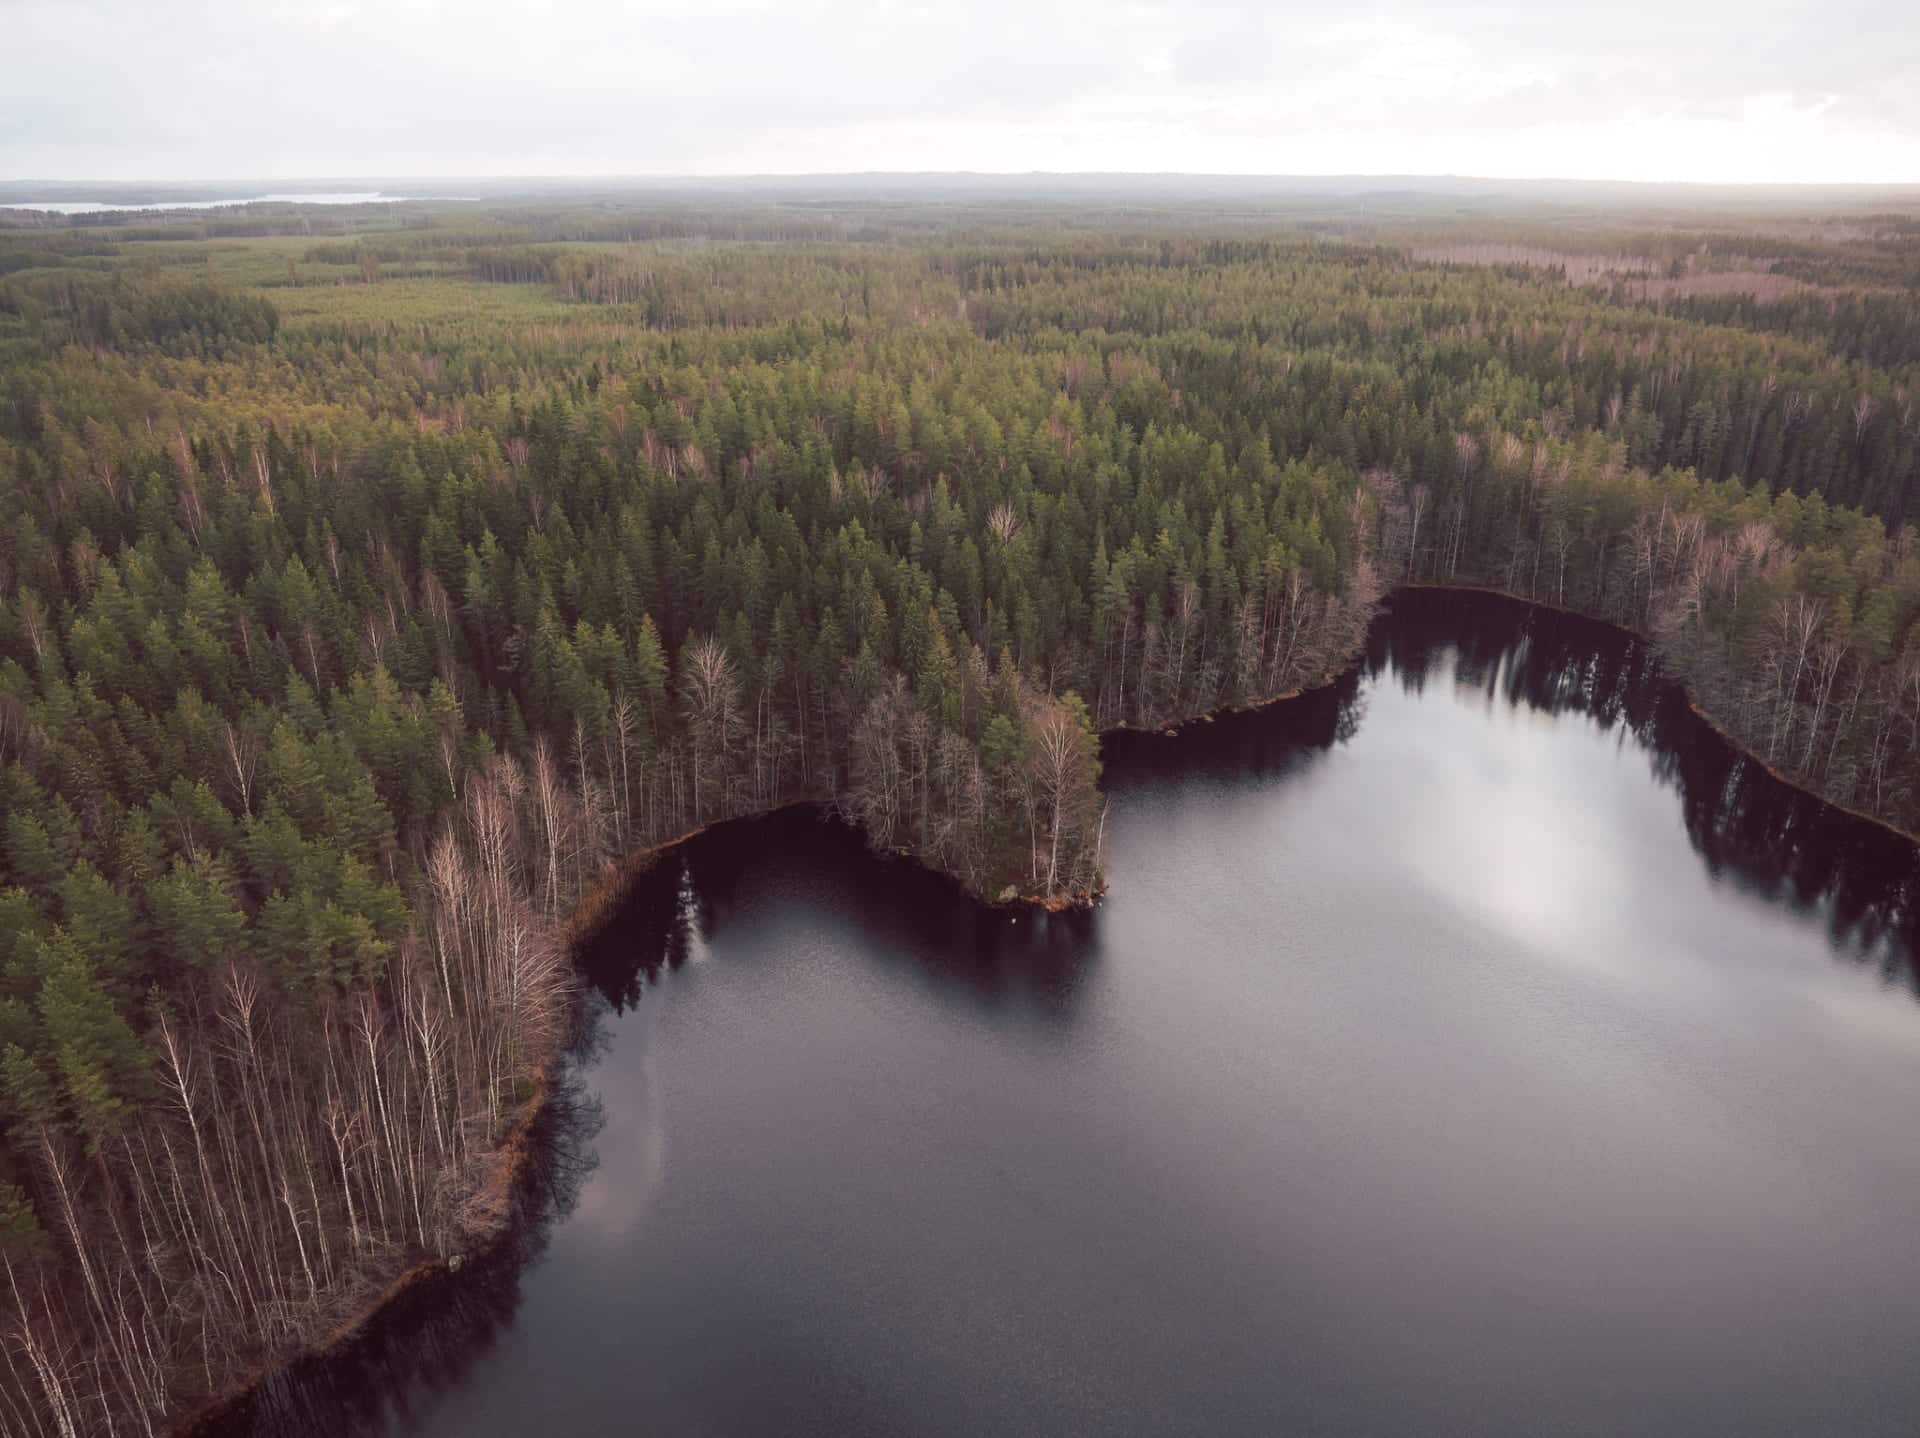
1252, 706
513, 1152
1740, 746
603, 895
590, 912
1748, 754
592, 909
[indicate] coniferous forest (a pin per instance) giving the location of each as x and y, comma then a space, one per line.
378, 584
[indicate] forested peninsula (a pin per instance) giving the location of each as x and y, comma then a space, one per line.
376, 583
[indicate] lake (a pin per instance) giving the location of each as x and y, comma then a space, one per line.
96, 207
1478, 1045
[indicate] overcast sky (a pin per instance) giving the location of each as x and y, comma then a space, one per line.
1737, 90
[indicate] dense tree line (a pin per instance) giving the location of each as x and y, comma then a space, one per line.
1791, 620
347, 638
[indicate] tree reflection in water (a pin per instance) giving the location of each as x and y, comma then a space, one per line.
1750, 830
1749, 827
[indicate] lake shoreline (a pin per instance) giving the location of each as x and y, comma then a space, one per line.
512, 1156
594, 909
601, 901
1693, 702
753, 982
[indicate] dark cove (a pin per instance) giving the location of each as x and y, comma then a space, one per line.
1477, 1045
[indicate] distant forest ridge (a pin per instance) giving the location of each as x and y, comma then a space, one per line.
1612, 198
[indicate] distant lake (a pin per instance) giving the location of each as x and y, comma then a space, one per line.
1476, 1046
93, 207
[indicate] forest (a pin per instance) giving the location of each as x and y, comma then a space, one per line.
379, 585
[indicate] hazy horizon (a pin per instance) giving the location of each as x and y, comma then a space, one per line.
1709, 92
1064, 184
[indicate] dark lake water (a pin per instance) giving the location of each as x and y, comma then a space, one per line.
1477, 1046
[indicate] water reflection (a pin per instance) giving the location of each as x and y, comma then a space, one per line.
1749, 828
805, 859
1430, 1069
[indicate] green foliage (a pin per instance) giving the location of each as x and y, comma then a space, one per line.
21, 1235
26, 1091
195, 919
902, 509
101, 922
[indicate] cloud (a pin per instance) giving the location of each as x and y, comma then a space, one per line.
1709, 89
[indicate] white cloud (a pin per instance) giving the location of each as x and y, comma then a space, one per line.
1703, 90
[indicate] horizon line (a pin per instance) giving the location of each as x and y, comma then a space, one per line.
792, 176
